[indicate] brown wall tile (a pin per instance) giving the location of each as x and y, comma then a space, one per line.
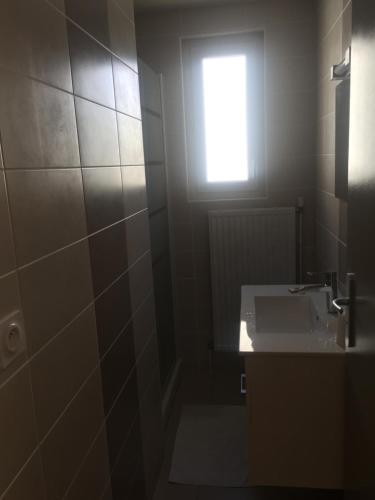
140, 280
122, 415
92, 17
128, 474
29, 484
37, 124
54, 290
97, 130
157, 196
137, 235
144, 325
113, 311
152, 440
65, 447
148, 365
116, 366
94, 475
103, 197
57, 217
108, 256
91, 68
159, 232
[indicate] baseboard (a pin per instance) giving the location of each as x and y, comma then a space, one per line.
170, 391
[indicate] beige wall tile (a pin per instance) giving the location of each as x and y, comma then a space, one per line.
131, 141
7, 260
37, 123
10, 303
54, 290
134, 189
57, 217
325, 179
58, 371
326, 135
328, 211
127, 7
17, 427
126, 89
97, 129
33, 40
328, 14
122, 35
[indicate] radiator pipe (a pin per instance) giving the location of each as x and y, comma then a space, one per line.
299, 210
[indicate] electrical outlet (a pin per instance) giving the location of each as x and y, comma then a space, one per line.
12, 339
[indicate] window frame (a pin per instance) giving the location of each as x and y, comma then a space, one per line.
194, 50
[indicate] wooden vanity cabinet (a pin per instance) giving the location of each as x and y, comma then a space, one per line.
295, 406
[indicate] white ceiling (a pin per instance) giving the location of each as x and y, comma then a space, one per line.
167, 4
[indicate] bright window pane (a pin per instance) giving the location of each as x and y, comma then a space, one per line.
225, 115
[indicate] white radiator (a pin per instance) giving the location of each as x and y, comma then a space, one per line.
247, 247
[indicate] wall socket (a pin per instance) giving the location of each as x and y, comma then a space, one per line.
12, 339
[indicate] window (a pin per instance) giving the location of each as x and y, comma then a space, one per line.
223, 80
225, 120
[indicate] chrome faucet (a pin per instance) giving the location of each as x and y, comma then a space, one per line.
329, 281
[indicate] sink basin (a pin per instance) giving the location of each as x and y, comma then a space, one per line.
284, 314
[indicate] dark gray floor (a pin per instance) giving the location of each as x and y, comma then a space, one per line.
221, 386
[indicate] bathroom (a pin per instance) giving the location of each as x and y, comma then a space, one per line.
179, 178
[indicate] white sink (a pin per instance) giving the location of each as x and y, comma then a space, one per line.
284, 314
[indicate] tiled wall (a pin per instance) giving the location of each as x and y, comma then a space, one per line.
156, 181
334, 36
290, 60
80, 410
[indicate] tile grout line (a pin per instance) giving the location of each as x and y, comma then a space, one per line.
64, 411
48, 2
333, 235
106, 416
26, 364
65, 91
80, 240
62, 330
340, 16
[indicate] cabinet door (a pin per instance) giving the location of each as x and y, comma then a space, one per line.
295, 418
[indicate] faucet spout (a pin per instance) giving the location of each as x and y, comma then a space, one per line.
329, 284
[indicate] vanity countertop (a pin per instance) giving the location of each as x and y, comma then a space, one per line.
322, 341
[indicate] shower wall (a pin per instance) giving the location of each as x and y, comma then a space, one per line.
81, 407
